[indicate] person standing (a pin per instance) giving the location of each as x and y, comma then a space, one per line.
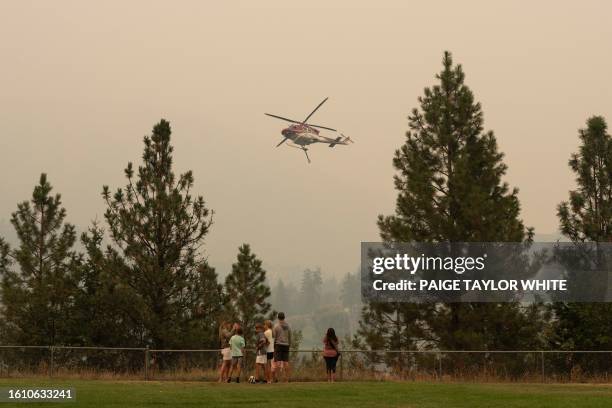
269, 350
237, 345
226, 354
330, 353
282, 340
261, 357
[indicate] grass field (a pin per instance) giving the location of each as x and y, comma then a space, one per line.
93, 393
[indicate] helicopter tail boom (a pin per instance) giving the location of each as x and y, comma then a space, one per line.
343, 140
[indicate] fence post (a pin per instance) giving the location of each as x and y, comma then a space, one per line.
341, 367
146, 363
542, 360
51, 363
440, 366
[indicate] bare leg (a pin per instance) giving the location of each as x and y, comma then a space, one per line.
238, 368
228, 366
225, 366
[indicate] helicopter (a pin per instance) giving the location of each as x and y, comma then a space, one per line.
302, 134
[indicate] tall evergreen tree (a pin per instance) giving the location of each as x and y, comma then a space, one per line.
587, 217
450, 189
283, 298
310, 290
278, 296
209, 309
5, 259
38, 298
350, 294
247, 291
159, 227
103, 303
5, 268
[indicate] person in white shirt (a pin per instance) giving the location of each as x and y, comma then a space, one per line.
224, 336
269, 350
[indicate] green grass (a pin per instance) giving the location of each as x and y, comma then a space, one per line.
92, 393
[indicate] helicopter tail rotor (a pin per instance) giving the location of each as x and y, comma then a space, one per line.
347, 139
341, 140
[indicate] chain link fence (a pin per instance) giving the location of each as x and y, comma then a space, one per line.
308, 365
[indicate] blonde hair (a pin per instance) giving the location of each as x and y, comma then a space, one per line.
268, 324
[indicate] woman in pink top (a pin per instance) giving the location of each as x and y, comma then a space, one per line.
330, 353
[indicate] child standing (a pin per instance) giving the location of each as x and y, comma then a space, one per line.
237, 345
262, 357
269, 350
224, 337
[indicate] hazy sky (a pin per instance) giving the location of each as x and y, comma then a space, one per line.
82, 81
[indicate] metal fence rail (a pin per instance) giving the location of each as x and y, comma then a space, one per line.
308, 365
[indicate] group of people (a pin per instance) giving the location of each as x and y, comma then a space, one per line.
271, 350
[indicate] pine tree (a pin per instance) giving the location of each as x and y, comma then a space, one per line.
209, 309
450, 189
310, 290
39, 297
279, 298
588, 214
103, 303
5, 269
450, 172
159, 227
283, 298
350, 294
5, 259
247, 291
587, 217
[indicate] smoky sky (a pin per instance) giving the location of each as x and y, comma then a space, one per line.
83, 82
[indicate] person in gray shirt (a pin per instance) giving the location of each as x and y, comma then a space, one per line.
282, 341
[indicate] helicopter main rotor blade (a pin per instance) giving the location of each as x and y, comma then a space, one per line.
315, 109
322, 127
282, 141
281, 118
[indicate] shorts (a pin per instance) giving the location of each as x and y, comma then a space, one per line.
281, 352
260, 359
270, 355
237, 361
330, 364
227, 354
